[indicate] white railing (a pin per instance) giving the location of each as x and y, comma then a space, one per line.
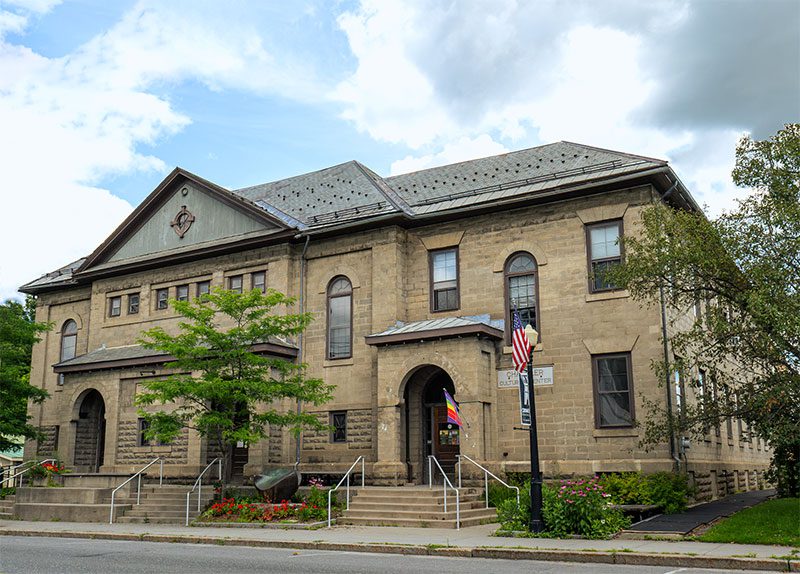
346, 477
17, 474
486, 474
139, 485
198, 484
445, 484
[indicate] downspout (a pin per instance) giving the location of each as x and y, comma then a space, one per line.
668, 381
300, 342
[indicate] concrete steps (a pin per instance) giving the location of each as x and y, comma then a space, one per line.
416, 507
165, 505
7, 507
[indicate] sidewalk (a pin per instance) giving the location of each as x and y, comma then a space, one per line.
468, 542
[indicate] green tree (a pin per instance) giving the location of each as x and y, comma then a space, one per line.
18, 332
744, 266
222, 387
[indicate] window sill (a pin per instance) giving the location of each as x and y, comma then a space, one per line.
607, 295
328, 363
615, 433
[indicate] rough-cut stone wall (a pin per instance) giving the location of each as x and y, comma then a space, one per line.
128, 451
359, 435
275, 444
48, 444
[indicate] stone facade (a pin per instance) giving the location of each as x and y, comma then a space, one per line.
381, 387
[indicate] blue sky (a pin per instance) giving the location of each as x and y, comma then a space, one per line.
99, 100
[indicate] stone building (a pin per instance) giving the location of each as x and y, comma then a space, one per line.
411, 279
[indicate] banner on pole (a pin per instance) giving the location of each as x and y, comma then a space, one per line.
524, 399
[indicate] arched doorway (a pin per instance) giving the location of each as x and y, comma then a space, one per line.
90, 432
427, 430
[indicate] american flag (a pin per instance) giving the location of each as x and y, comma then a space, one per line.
520, 345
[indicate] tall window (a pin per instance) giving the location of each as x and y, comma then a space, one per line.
114, 306
613, 390
133, 303
339, 425
182, 293
340, 318
69, 339
203, 288
235, 283
259, 281
162, 298
521, 290
444, 279
604, 253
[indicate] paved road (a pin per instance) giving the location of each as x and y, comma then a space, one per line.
31, 555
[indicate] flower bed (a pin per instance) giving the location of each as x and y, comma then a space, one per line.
314, 508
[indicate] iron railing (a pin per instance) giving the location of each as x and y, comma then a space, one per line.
198, 484
346, 478
486, 474
16, 474
139, 485
445, 484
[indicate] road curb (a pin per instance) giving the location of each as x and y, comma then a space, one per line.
580, 556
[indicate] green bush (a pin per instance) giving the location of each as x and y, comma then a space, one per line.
513, 516
625, 488
669, 491
7, 491
499, 493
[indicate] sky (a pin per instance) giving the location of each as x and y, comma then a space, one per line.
101, 99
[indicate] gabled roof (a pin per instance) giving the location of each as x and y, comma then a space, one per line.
153, 201
59, 277
480, 325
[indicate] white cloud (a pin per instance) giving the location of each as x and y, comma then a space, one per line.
460, 150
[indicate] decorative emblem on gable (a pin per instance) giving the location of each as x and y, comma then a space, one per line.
182, 221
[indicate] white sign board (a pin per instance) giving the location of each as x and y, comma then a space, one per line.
510, 379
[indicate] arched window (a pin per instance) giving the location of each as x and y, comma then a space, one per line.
340, 318
69, 339
521, 290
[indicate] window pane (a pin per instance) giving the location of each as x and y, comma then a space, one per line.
339, 326
162, 295
445, 299
182, 293
527, 315
116, 306
521, 263
522, 291
68, 345
259, 280
615, 409
444, 266
133, 304
339, 423
70, 328
235, 283
340, 287
604, 241
599, 272
203, 288
612, 374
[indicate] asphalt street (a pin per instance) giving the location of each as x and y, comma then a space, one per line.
31, 555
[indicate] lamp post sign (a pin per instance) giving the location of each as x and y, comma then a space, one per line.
524, 399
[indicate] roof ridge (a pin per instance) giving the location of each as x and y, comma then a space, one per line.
304, 174
626, 154
384, 189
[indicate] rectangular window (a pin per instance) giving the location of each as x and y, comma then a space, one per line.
203, 288
182, 293
235, 283
133, 304
162, 298
339, 424
259, 281
140, 433
613, 390
444, 280
605, 253
114, 306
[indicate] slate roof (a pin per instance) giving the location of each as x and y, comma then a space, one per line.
62, 276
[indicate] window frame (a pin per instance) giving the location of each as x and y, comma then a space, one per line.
112, 307
231, 278
253, 280
138, 303
596, 389
64, 337
199, 293
507, 292
158, 299
333, 438
328, 298
589, 260
431, 288
178, 288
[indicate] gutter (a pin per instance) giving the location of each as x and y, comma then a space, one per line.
300, 340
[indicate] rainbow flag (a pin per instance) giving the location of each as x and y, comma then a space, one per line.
452, 410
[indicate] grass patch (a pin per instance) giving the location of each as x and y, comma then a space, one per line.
771, 522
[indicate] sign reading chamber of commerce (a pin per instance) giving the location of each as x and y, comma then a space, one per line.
510, 380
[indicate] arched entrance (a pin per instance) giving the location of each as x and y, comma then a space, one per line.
427, 431
90, 432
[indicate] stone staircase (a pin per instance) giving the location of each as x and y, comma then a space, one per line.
415, 506
165, 505
7, 507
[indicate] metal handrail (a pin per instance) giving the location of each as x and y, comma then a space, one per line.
486, 474
347, 478
139, 485
445, 484
198, 484
19, 474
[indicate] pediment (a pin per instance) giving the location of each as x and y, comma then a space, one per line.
184, 214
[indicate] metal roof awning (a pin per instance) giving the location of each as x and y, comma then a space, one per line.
438, 329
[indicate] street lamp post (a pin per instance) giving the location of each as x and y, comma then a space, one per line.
537, 524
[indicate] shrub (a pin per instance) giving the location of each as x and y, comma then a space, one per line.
513, 516
666, 490
499, 493
625, 488
7, 491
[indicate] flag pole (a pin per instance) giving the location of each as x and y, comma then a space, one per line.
537, 524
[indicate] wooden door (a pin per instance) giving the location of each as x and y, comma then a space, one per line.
446, 440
